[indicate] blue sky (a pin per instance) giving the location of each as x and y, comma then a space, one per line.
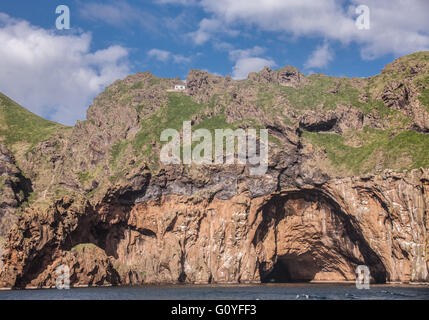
56, 73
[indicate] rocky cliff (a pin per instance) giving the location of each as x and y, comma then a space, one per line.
347, 184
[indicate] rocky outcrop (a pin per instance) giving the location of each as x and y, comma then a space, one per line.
313, 122
14, 188
203, 85
396, 95
287, 76
110, 211
338, 121
309, 233
402, 92
87, 265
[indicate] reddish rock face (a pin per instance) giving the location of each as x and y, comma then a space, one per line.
88, 266
13, 190
303, 234
100, 184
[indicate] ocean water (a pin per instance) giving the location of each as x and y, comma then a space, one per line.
217, 292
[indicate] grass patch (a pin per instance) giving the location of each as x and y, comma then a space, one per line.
213, 123
18, 125
116, 151
424, 98
84, 246
265, 99
84, 177
380, 148
139, 108
323, 91
178, 109
118, 175
138, 85
154, 81
329, 93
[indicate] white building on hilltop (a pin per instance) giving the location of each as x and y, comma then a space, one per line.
179, 87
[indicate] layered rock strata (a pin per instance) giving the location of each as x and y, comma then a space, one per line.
302, 234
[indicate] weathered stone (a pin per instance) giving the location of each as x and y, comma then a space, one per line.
309, 233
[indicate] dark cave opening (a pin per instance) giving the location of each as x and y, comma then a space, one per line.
292, 269
279, 274
315, 255
101, 234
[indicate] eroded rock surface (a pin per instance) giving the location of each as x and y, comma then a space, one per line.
310, 233
14, 188
107, 208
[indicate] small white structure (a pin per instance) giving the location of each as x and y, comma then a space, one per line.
179, 87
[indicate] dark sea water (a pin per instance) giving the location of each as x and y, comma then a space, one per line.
242, 292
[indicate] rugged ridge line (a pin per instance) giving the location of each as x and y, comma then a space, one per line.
347, 184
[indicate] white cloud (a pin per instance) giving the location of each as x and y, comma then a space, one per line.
55, 76
246, 65
213, 73
161, 55
320, 58
398, 27
164, 56
239, 53
208, 28
246, 61
178, 58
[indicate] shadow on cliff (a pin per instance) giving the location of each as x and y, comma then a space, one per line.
294, 265
104, 231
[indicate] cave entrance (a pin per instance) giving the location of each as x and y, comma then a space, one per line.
292, 268
305, 236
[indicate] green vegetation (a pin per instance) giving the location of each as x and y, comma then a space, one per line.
322, 91
379, 149
375, 105
117, 150
424, 98
83, 247
179, 108
19, 126
122, 87
327, 93
154, 81
213, 123
84, 177
138, 85
139, 108
265, 98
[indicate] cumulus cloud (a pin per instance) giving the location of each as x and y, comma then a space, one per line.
164, 56
252, 64
247, 61
55, 76
320, 58
398, 27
